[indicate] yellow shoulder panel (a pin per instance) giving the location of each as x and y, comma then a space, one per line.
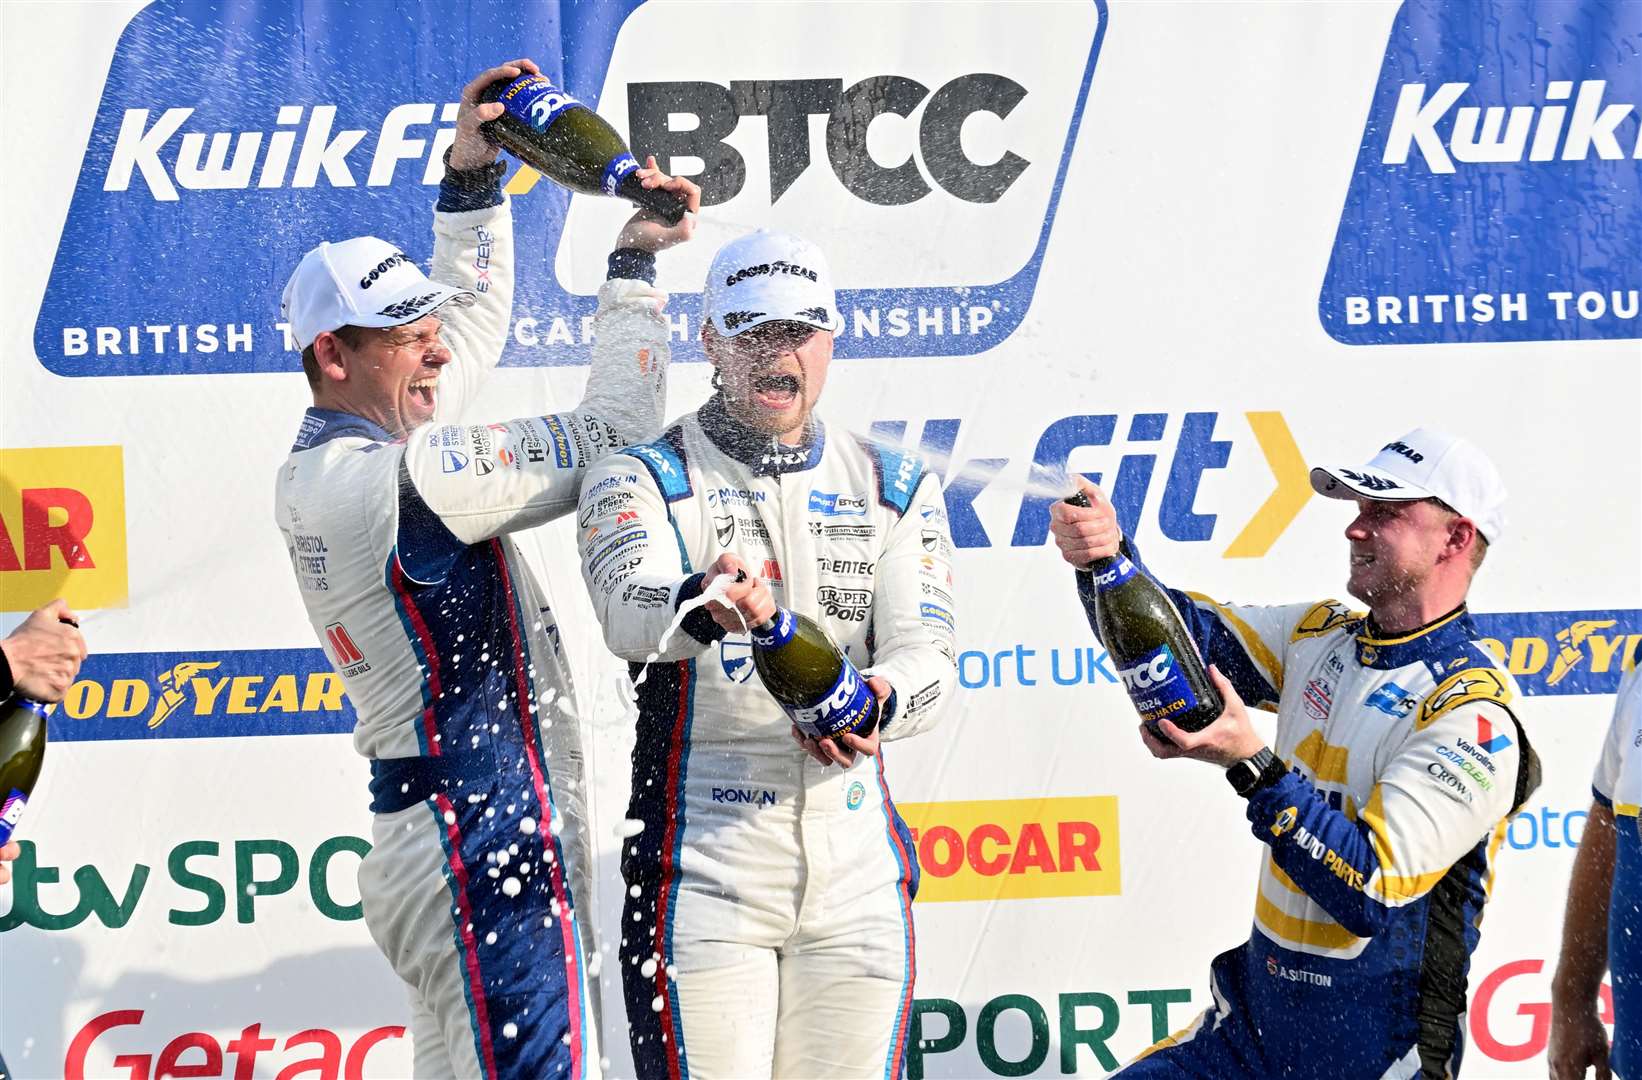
1322, 618
1462, 688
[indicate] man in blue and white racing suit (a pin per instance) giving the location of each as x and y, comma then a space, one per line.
1396, 763
397, 523
768, 929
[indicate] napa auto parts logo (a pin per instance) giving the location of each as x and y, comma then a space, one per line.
895, 143
1498, 192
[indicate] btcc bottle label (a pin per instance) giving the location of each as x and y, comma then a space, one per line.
842, 709
616, 172
11, 812
535, 100
780, 631
1157, 686
1114, 575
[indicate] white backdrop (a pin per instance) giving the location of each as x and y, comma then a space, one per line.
1186, 248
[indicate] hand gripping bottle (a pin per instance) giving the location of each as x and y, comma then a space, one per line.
22, 753
811, 678
1150, 646
564, 140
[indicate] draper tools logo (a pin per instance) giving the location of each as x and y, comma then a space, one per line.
62, 527
1497, 194
963, 128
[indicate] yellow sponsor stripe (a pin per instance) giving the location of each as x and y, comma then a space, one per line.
1493, 849
1252, 645
1281, 876
1626, 810
1328, 763
1370, 639
1392, 887
1292, 928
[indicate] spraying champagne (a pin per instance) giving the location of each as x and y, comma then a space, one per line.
1149, 642
558, 136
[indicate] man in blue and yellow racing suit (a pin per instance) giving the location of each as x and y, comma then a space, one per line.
1397, 761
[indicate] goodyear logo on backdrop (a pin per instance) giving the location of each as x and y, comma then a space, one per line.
971, 134
1564, 652
1015, 849
191, 695
62, 527
1497, 192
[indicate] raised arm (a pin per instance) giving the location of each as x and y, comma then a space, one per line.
482, 481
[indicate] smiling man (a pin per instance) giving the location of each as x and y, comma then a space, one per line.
396, 521
768, 930
1396, 762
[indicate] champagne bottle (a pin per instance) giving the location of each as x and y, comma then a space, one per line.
1150, 645
22, 753
558, 136
811, 679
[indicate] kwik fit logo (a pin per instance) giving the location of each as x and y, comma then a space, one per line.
257, 172
1487, 113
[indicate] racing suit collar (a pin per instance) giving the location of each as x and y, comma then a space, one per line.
764, 455
1377, 649
320, 426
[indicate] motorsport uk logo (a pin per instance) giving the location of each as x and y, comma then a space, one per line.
1497, 194
201, 188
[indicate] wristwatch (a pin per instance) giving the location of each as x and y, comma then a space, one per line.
1254, 773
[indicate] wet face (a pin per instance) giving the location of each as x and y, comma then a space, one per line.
1395, 548
391, 375
772, 374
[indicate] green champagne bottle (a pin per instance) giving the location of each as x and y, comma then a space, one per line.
22, 753
564, 140
811, 679
1150, 645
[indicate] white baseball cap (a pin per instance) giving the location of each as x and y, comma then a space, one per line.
1425, 464
359, 282
768, 277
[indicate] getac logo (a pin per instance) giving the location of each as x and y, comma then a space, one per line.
1405, 450
396, 259
1149, 673
708, 114
1473, 139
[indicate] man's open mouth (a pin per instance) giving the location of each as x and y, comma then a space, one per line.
776, 391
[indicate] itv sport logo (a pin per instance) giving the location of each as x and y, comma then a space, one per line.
254, 170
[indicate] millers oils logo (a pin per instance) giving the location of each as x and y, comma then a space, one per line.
62, 527
1015, 849
891, 139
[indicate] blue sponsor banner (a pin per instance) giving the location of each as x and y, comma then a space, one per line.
1565, 652
196, 695
252, 692
234, 135
1498, 189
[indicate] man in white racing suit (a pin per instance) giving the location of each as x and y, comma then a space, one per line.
1396, 764
396, 521
768, 929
